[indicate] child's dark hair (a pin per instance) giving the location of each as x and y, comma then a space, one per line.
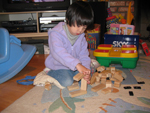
81, 13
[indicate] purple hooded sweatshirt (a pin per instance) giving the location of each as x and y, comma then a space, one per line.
62, 54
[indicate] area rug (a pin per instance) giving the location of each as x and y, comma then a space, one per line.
119, 102
31, 101
53, 94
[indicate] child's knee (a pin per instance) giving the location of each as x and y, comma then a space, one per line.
67, 82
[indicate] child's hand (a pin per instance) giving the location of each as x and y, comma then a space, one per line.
82, 69
87, 78
85, 71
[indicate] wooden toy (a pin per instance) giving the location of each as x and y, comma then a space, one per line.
74, 86
108, 83
115, 90
104, 80
109, 75
83, 84
93, 78
97, 80
83, 89
112, 70
100, 75
100, 68
78, 77
117, 83
47, 86
118, 76
98, 87
106, 90
77, 93
113, 79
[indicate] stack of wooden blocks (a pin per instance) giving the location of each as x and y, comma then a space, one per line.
103, 79
106, 79
83, 89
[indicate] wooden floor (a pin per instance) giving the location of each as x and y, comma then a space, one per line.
11, 90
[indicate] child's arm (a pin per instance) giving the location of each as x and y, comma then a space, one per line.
59, 52
84, 54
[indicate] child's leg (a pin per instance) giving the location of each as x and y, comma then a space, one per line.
63, 76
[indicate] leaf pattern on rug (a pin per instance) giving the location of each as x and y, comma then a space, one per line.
144, 100
69, 100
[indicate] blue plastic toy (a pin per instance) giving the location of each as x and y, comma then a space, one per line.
14, 56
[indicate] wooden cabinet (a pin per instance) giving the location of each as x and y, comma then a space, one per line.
6, 16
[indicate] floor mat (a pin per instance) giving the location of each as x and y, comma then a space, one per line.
142, 70
53, 94
124, 107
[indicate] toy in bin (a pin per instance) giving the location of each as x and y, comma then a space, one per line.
126, 55
93, 37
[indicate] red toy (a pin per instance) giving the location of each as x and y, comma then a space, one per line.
145, 48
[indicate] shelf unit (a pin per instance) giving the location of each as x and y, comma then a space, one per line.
4, 16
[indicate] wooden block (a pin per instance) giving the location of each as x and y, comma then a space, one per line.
83, 84
78, 76
108, 68
77, 93
113, 79
118, 77
100, 75
116, 85
112, 70
108, 83
117, 82
115, 90
108, 75
119, 71
48, 86
106, 71
75, 83
74, 86
103, 77
103, 81
100, 68
97, 79
93, 78
106, 90
98, 87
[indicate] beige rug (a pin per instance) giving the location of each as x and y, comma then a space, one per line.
31, 101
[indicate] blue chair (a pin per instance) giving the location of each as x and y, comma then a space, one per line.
14, 56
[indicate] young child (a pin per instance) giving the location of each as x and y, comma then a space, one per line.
68, 47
